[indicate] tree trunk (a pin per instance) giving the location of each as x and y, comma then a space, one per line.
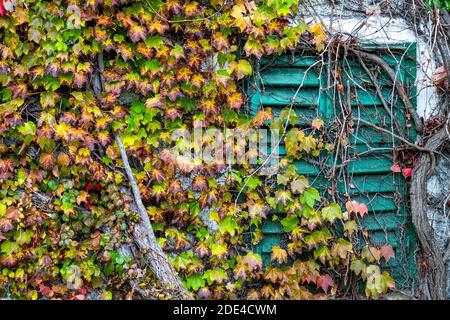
435, 276
143, 234
145, 239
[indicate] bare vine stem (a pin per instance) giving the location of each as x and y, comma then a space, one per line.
380, 96
400, 90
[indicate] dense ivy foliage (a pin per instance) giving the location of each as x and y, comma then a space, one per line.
64, 206
439, 4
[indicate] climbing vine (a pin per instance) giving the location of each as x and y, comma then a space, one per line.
66, 211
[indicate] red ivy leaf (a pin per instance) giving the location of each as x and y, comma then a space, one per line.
396, 168
356, 207
406, 172
324, 282
387, 252
2, 8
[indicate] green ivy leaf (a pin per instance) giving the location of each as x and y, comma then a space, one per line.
195, 282
228, 225
310, 196
289, 223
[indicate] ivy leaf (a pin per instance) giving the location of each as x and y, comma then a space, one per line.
356, 207
11, 106
235, 100
322, 253
310, 196
357, 266
371, 254
342, 248
215, 275
136, 33
282, 197
52, 185
195, 282
177, 52
154, 41
199, 184
47, 160
396, 168
317, 123
278, 254
219, 250
406, 172
289, 223
23, 236
253, 48
350, 227
387, 282
253, 261
201, 249
228, 225
28, 128
299, 185
9, 248
153, 66
324, 282
319, 35
63, 159
243, 68
253, 182
331, 212
220, 41
387, 252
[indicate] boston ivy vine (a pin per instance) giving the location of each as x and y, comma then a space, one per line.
65, 210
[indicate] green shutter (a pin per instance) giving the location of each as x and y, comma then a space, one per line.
369, 178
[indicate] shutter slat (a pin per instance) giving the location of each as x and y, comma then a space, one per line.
382, 221
289, 77
288, 61
271, 227
285, 97
378, 202
370, 184
370, 165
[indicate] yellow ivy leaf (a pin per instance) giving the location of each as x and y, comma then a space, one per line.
278, 254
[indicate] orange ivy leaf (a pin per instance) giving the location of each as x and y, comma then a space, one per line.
220, 41
253, 261
317, 123
47, 160
235, 100
356, 207
136, 33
